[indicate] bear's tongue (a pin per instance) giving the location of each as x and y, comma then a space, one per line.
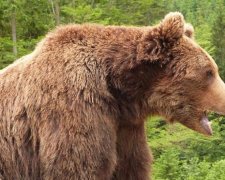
206, 125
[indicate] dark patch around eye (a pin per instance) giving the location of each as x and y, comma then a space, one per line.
209, 73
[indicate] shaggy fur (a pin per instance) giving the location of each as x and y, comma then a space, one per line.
75, 107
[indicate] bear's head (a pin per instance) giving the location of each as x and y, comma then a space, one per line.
189, 85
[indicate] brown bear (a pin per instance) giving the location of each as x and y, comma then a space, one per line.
75, 108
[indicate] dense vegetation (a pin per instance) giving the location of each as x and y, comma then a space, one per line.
179, 153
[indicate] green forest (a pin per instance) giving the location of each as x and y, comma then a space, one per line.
179, 153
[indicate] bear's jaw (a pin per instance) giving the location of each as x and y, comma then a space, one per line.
199, 123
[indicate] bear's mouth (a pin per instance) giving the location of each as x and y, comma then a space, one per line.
199, 124
206, 124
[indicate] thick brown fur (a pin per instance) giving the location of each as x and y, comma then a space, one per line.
75, 107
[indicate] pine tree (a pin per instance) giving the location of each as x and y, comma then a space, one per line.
218, 39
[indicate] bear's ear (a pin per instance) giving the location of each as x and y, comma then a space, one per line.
189, 30
157, 40
172, 26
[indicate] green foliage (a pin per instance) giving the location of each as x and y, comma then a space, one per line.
217, 171
6, 56
181, 153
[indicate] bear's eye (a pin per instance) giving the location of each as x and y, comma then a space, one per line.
209, 73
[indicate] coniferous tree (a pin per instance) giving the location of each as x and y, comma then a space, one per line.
218, 39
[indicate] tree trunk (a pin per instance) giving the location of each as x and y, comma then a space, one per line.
13, 24
93, 3
57, 13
